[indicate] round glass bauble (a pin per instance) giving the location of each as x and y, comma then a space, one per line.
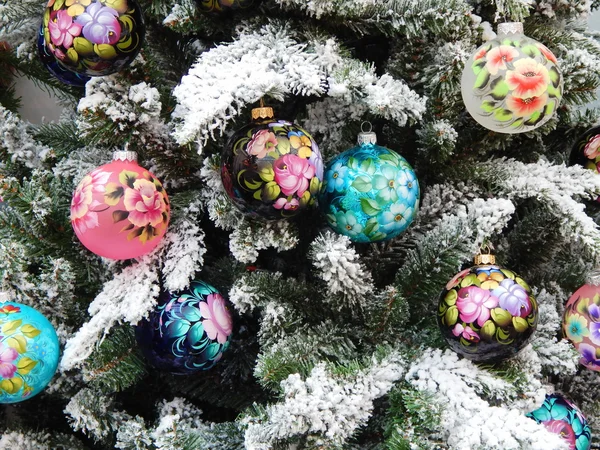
586, 150
487, 313
272, 169
369, 194
512, 84
562, 417
120, 210
93, 37
188, 331
29, 352
51, 64
581, 324
223, 5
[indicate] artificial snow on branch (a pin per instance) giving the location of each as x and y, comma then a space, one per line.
16, 141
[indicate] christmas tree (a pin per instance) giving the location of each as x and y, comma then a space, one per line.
334, 343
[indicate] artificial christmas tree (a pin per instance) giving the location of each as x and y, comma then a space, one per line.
334, 344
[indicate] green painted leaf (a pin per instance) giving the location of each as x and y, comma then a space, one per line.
368, 166
195, 333
503, 115
450, 298
534, 118
554, 76
478, 65
372, 225
499, 88
352, 163
554, 92
362, 184
488, 330
520, 324
451, 316
389, 157
178, 328
30, 331
119, 215
549, 109
469, 280
18, 342
501, 316
531, 50
482, 79
508, 273
25, 365
370, 206
271, 191
488, 106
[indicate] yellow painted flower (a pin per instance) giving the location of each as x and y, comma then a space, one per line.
76, 7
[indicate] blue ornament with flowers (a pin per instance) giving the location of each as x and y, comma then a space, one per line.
369, 193
562, 417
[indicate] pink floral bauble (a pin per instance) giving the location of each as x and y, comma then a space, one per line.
120, 211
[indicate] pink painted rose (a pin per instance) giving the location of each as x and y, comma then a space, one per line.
216, 318
563, 429
474, 304
523, 107
591, 150
283, 203
466, 332
293, 174
7, 356
83, 216
144, 203
498, 57
262, 143
547, 53
530, 79
63, 29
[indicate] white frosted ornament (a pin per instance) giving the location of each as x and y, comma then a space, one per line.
512, 84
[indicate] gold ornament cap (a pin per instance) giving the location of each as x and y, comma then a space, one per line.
264, 112
510, 28
484, 259
125, 155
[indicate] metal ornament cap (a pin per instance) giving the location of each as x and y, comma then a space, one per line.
510, 28
366, 138
125, 155
264, 112
484, 259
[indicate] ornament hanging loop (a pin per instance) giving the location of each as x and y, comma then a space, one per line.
485, 256
367, 137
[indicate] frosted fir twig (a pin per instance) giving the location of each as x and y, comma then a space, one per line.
468, 421
18, 143
220, 209
128, 297
338, 265
512, 10
331, 407
250, 237
12, 440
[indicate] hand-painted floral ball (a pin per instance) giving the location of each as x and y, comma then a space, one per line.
120, 210
49, 62
29, 352
562, 417
188, 331
512, 84
581, 324
223, 5
271, 169
370, 193
93, 37
487, 313
586, 151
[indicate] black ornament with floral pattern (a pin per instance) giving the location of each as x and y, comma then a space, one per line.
223, 5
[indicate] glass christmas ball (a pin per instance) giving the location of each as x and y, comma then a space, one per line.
188, 331
487, 313
370, 193
562, 417
272, 169
93, 37
120, 210
581, 324
29, 352
586, 150
49, 62
223, 5
512, 84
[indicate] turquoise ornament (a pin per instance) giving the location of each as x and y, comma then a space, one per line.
562, 417
29, 352
369, 193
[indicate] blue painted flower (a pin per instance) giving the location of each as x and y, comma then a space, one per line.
576, 328
396, 219
408, 188
348, 224
336, 177
588, 356
388, 182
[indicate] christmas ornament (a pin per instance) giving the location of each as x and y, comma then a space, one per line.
487, 313
562, 417
120, 210
93, 37
581, 324
370, 193
223, 5
586, 151
188, 331
59, 72
271, 169
512, 84
29, 352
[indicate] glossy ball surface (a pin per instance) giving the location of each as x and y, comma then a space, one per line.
120, 211
369, 194
586, 150
581, 324
562, 417
223, 5
93, 37
512, 84
29, 352
487, 313
51, 64
272, 169
188, 331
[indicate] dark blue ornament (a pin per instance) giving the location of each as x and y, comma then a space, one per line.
55, 68
188, 331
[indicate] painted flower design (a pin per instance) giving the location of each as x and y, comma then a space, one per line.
317, 160
10, 309
336, 177
592, 148
100, 24
513, 298
397, 218
576, 328
216, 318
588, 356
564, 430
529, 79
301, 142
594, 311
349, 223
144, 203
83, 216
466, 332
547, 53
523, 107
7, 356
62, 28
77, 7
263, 142
474, 304
288, 205
388, 182
408, 188
456, 279
595, 332
498, 57
293, 174
481, 53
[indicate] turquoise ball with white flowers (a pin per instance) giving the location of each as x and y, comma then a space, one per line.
370, 193
29, 352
